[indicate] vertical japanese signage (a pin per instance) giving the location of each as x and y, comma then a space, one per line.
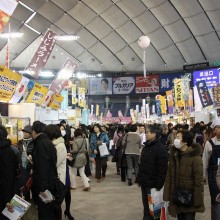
163, 104
8, 83
148, 84
63, 76
158, 108
73, 94
210, 76
123, 85
216, 95
48, 98
169, 95
42, 54
204, 95
7, 8
56, 101
191, 106
179, 102
81, 97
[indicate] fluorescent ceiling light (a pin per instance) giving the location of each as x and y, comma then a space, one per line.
32, 29
31, 17
11, 35
46, 74
26, 6
67, 37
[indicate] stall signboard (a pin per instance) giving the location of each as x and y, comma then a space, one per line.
42, 54
148, 84
20, 90
37, 94
8, 83
123, 85
210, 76
167, 80
63, 76
56, 101
7, 8
100, 86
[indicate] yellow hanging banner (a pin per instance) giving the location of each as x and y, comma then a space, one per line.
178, 88
56, 101
81, 97
163, 104
97, 110
8, 83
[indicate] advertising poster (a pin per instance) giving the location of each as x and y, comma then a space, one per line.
216, 95
37, 95
20, 90
100, 86
82, 83
8, 83
56, 101
63, 76
123, 85
7, 8
210, 76
167, 80
150, 84
42, 54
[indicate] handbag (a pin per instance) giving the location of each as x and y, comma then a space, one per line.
74, 155
183, 197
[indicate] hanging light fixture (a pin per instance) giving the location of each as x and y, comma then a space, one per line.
11, 35
68, 37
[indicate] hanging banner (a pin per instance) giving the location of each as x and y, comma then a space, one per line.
216, 96
8, 83
56, 101
48, 98
97, 110
158, 108
123, 85
191, 106
42, 54
148, 110
163, 105
64, 104
81, 97
63, 76
37, 95
78, 113
169, 95
7, 8
204, 94
85, 117
73, 94
148, 84
178, 93
100, 86
185, 88
20, 90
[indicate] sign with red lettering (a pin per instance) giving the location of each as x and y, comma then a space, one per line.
42, 54
148, 84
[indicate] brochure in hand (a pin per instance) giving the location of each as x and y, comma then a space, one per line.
19, 207
49, 197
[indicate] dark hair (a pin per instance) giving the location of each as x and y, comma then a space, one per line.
186, 127
52, 131
187, 137
153, 129
98, 126
78, 132
63, 122
170, 125
120, 128
133, 128
104, 80
3, 133
38, 127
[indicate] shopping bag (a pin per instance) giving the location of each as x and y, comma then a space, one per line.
163, 215
155, 202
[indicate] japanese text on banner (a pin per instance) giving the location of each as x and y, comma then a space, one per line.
56, 101
178, 93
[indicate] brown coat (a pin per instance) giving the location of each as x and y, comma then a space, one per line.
218, 177
189, 172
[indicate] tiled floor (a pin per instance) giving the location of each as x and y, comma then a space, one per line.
114, 200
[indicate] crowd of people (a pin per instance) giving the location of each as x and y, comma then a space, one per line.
178, 159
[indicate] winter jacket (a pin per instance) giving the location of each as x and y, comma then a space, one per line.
153, 165
132, 140
8, 167
218, 177
186, 167
80, 146
44, 161
61, 158
103, 137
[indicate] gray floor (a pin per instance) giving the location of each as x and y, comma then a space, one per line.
114, 200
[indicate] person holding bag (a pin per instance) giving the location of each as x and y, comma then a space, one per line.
79, 149
183, 186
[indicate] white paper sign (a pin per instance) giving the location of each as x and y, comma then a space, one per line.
103, 150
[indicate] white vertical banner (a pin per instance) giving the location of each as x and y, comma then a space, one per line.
137, 108
143, 110
92, 109
148, 110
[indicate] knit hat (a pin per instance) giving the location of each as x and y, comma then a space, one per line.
28, 129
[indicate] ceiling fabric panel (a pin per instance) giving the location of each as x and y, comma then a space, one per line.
21, 13
98, 6
66, 5
73, 48
34, 4
86, 38
15, 25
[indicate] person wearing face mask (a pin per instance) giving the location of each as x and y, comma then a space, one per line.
153, 166
185, 173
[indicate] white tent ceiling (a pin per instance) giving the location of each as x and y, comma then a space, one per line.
181, 32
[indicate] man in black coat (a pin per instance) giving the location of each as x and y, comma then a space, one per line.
153, 166
44, 160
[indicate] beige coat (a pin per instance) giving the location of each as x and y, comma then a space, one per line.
61, 158
218, 177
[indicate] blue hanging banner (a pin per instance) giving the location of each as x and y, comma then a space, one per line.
85, 116
64, 104
158, 108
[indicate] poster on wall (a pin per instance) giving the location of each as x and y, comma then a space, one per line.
8, 83
167, 80
150, 84
100, 86
123, 85
82, 83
